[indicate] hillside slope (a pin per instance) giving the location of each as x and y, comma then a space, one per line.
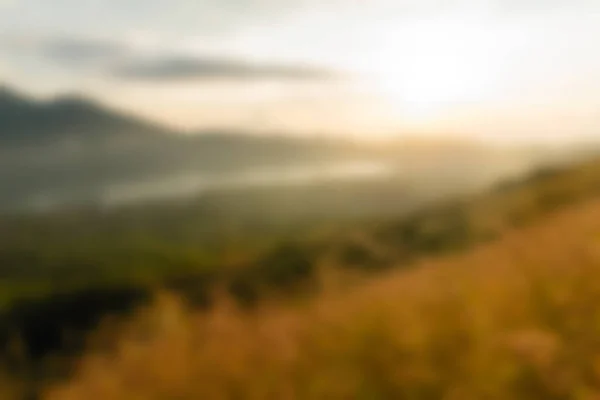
66, 270
515, 319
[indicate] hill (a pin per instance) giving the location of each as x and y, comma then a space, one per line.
67, 118
512, 318
65, 272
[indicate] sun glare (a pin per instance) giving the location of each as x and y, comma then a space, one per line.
431, 67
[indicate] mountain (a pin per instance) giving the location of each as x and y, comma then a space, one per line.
27, 122
73, 148
72, 151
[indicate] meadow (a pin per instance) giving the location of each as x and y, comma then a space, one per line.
486, 296
518, 319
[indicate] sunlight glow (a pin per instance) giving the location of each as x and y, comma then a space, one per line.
432, 66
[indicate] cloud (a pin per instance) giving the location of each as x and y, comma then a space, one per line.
182, 68
74, 51
66, 51
156, 61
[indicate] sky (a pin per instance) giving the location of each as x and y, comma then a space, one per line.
493, 69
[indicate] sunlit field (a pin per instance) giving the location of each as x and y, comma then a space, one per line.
492, 295
518, 319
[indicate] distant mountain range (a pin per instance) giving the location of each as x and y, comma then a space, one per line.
27, 122
73, 150
75, 147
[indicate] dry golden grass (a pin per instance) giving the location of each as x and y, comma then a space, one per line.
9, 389
516, 319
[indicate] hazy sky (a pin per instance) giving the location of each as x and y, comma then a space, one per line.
497, 68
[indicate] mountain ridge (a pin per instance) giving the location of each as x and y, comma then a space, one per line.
75, 149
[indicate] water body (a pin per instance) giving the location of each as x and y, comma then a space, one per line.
198, 183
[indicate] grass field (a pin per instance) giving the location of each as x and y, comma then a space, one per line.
515, 319
493, 296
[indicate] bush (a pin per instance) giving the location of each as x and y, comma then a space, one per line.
355, 254
42, 323
288, 267
195, 288
431, 232
285, 267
